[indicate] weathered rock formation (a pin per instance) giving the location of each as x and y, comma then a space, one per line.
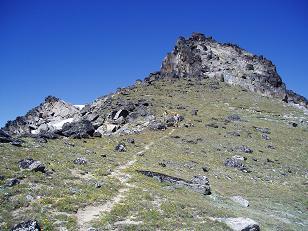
203, 57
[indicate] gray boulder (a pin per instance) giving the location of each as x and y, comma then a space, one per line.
78, 130
198, 184
32, 165
240, 224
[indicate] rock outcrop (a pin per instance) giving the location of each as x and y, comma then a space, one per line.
203, 57
48, 116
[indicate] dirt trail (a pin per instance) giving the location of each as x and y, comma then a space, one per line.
89, 213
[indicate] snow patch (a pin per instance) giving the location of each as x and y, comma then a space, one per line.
59, 125
79, 106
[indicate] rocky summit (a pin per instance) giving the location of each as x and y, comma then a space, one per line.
214, 140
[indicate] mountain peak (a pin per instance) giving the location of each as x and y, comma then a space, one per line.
201, 57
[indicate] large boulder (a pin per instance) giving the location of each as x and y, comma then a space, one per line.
32, 165
198, 184
78, 130
240, 224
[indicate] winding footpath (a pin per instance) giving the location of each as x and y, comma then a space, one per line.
89, 213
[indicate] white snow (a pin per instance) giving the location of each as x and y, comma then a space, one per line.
59, 125
79, 106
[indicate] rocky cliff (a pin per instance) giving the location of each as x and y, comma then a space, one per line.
203, 57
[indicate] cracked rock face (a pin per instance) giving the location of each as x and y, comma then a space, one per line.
203, 57
48, 116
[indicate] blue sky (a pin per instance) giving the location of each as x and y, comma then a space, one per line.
80, 50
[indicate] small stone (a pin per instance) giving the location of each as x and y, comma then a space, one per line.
98, 185
265, 137
205, 169
130, 140
120, 147
194, 112
233, 117
80, 161
16, 143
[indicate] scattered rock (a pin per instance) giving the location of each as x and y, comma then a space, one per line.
2, 177
12, 182
98, 184
270, 146
80, 161
30, 225
294, 125
212, 125
234, 133
41, 140
236, 163
32, 165
194, 112
173, 121
16, 143
240, 224
130, 140
263, 130
240, 200
205, 169
156, 125
198, 184
232, 118
120, 147
265, 136
244, 148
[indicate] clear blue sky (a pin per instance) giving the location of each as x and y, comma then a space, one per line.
79, 50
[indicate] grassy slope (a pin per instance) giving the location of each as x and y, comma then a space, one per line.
277, 202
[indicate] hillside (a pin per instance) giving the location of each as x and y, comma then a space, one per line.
194, 146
